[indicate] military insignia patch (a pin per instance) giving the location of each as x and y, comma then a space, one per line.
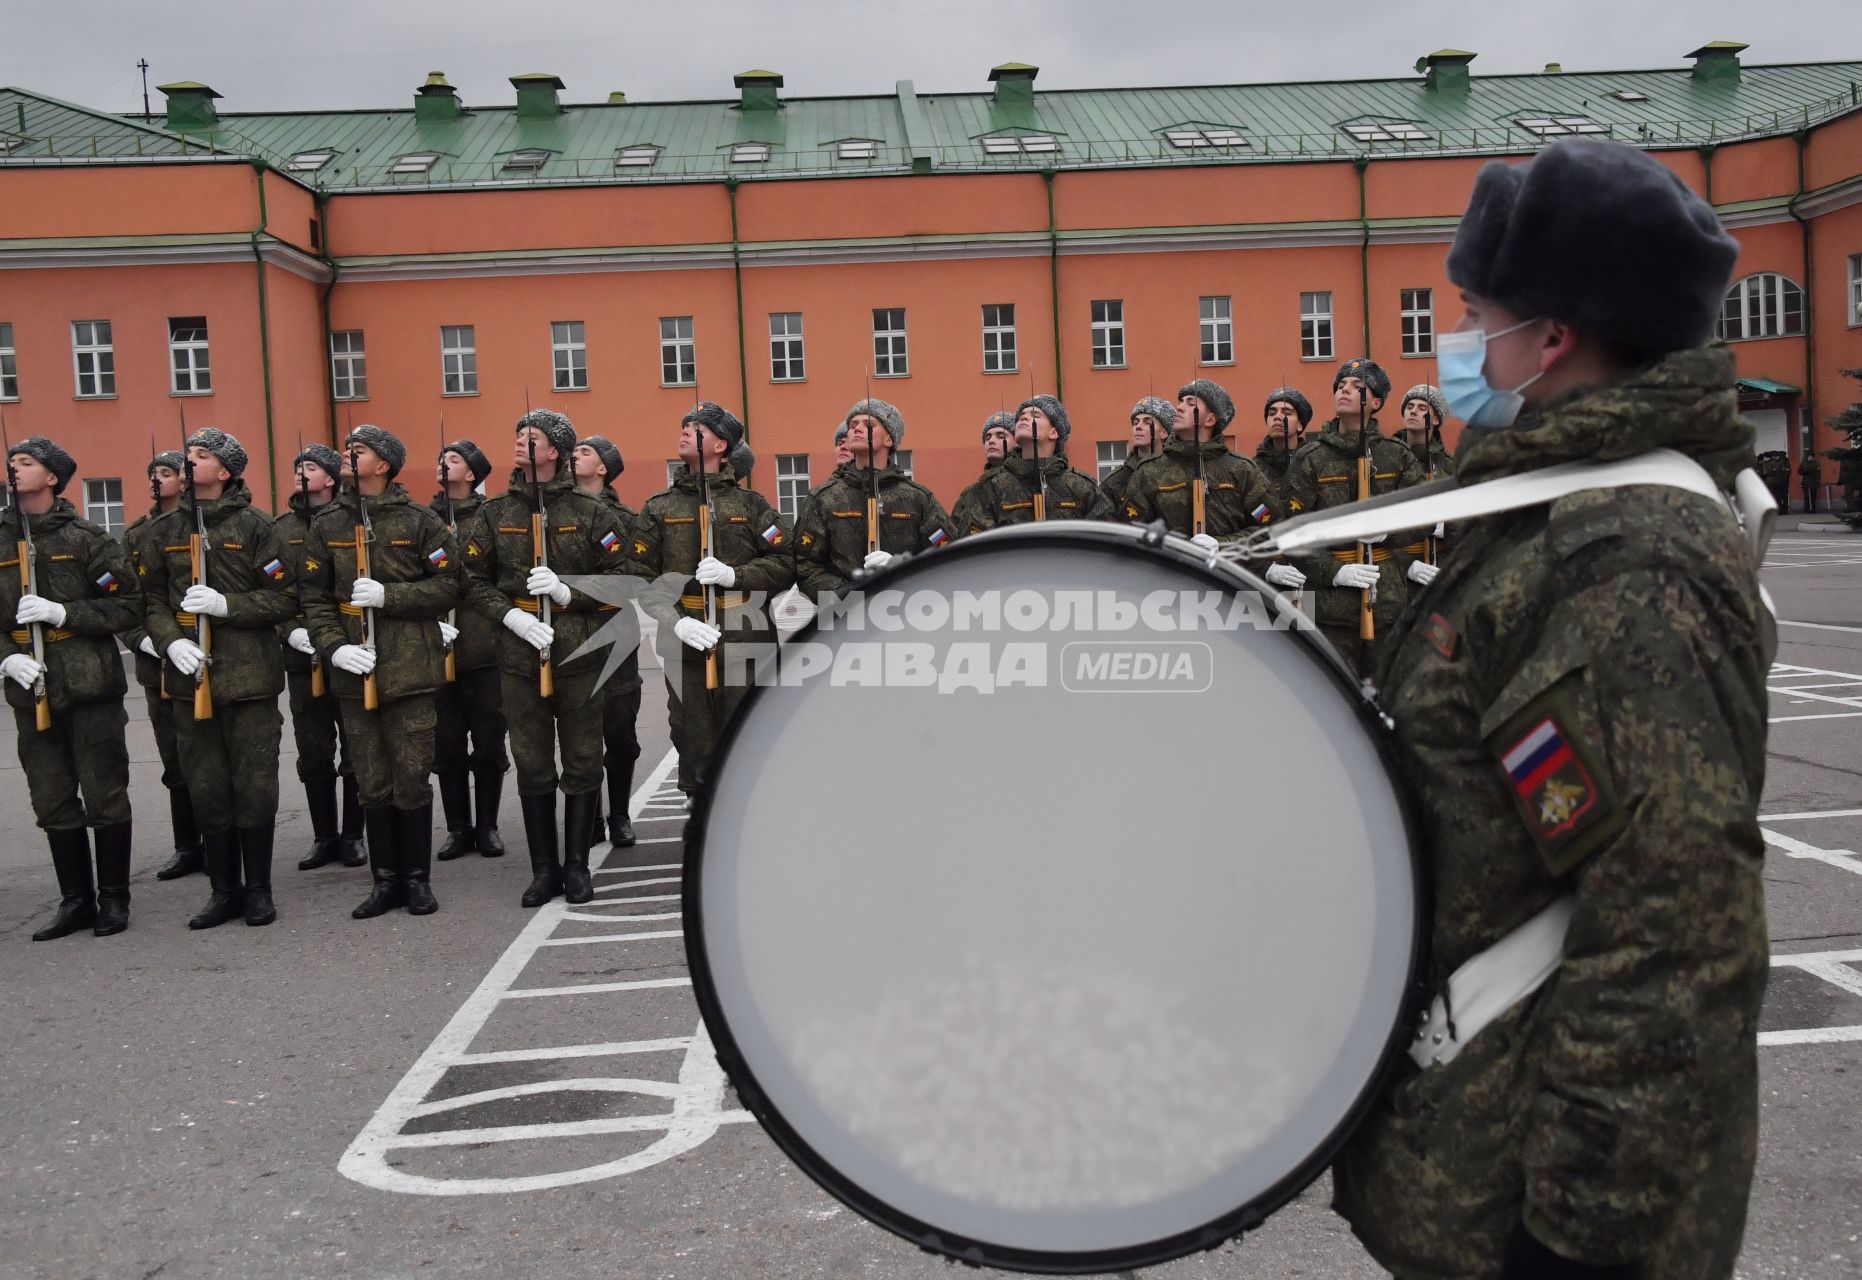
472, 549
640, 548
1554, 789
937, 538
610, 543
1442, 634
437, 557
1131, 511
773, 535
109, 583
275, 571
1261, 513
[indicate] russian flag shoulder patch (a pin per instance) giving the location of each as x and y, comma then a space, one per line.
274, 570
1557, 792
1262, 513
773, 535
938, 538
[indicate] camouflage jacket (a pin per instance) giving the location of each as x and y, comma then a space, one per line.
627, 678
1236, 497
1579, 707
1115, 484
1273, 460
293, 528
1323, 474
477, 645
746, 533
411, 555
1006, 495
831, 533
83, 568
136, 543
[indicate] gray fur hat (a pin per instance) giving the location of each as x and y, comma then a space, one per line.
1429, 395
1000, 420
1055, 411
381, 442
718, 420
1302, 407
889, 417
742, 460
1368, 372
1601, 236
476, 461
1212, 394
556, 428
611, 463
49, 455
226, 448
322, 456
170, 458
1159, 408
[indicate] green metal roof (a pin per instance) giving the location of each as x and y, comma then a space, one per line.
944, 132
1769, 387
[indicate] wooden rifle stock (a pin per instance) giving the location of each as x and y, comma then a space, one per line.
203, 630
42, 701
1367, 622
371, 693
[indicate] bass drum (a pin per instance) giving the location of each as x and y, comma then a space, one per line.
1062, 913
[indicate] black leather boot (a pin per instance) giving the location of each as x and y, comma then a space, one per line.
488, 790
222, 855
384, 865
354, 855
414, 830
540, 834
112, 879
255, 859
77, 902
620, 793
456, 803
578, 832
188, 857
326, 838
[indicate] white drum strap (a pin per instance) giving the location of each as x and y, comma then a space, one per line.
1491, 983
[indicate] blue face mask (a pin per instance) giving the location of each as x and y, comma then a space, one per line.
1461, 360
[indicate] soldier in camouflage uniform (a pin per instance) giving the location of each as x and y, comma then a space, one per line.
1323, 475
597, 463
831, 534
1236, 495
472, 703
86, 595
1424, 408
1606, 1125
231, 759
1287, 414
412, 582
189, 857
1039, 469
998, 443
749, 564
316, 724
1152, 420
506, 584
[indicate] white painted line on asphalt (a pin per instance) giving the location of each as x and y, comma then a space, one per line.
595, 988
1818, 626
613, 1048
1833, 968
1811, 1035
614, 937
587, 1084
637, 884
604, 916
1821, 715
1826, 813
1844, 858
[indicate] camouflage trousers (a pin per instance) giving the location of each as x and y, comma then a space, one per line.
473, 704
392, 750
231, 762
316, 727
570, 719
83, 752
697, 715
162, 723
620, 715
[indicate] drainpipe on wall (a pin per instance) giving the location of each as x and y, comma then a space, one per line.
329, 260
265, 337
1053, 276
737, 270
1363, 163
1706, 163
1802, 138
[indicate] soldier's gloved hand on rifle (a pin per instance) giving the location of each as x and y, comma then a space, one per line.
299, 639
147, 645
1206, 542
1357, 577
38, 609
544, 582
876, 560
20, 669
448, 633
366, 593
1421, 572
1285, 575
357, 660
696, 634
204, 600
532, 630
186, 655
1441, 530
713, 572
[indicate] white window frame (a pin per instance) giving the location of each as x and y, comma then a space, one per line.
1014, 144
1559, 125
1108, 316
349, 373
1216, 329
1629, 95
891, 348
9, 364
902, 459
750, 153
526, 160
189, 371
1316, 325
415, 162
93, 356
1000, 350
1762, 303
569, 355
639, 156
1111, 456
678, 351
1855, 290
101, 507
788, 359
458, 360
856, 149
1190, 137
1417, 319
672, 470
309, 161
792, 483
1386, 131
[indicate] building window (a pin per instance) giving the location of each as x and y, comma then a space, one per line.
1190, 137
678, 352
103, 505
889, 360
1020, 144
458, 360
1630, 95
750, 153
9, 360
1855, 304
999, 337
1418, 322
1218, 332
94, 357
1316, 326
791, 483
526, 160
785, 346
1559, 126
1762, 306
349, 375
902, 459
309, 161
1386, 131
187, 356
1109, 334
857, 149
673, 466
417, 162
569, 355
635, 157
1111, 456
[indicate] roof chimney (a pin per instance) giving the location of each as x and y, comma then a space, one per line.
1445, 70
1554, 68
1718, 62
536, 96
1014, 83
190, 106
759, 89
435, 100
617, 99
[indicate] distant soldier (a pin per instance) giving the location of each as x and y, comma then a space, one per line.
843, 452
231, 755
1424, 407
1152, 420
60, 655
597, 465
998, 438
471, 705
1810, 477
1035, 483
165, 494
869, 512
743, 463
377, 632
1287, 413
1235, 496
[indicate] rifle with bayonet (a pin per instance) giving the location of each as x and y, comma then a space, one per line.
1367, 621
452, 531
303, 488
365, 534
704, 539
197, 548
28, 583
539, 550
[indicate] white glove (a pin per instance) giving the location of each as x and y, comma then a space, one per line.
38, 609
695, 633
1440, 532
367, 593
356, 659
1204, 541
1358, 577
532, 630
713, 572
147, 645
450, 633
1285, 575
21, 669
1421, 572
877, 560
186, 655
544, 582
299, 639
199, 600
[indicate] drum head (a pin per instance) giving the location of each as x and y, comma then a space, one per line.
1081, 955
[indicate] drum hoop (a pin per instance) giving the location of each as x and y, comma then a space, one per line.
1149, 541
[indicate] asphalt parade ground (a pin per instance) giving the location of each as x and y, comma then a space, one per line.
495, 1092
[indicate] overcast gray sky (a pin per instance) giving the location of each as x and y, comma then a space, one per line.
268, 55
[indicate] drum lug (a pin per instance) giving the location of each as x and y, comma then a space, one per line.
1154, 533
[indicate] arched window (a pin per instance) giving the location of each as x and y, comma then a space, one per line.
1762, 306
